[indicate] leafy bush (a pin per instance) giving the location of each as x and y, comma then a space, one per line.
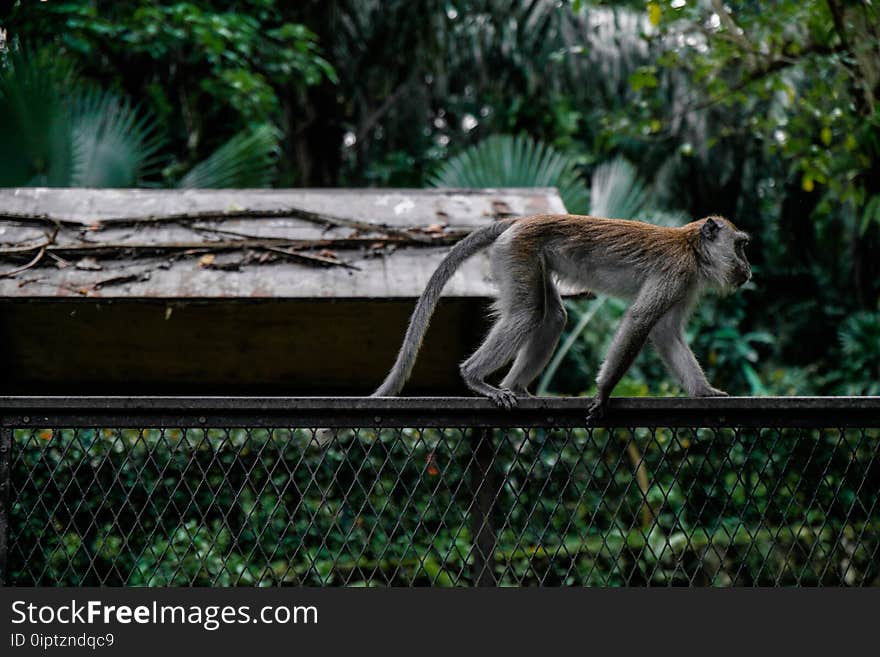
860, 344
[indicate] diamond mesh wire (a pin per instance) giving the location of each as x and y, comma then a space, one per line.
444, 506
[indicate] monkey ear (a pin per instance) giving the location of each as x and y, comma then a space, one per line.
710, 229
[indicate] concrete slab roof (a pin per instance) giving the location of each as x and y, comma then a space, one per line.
249, 243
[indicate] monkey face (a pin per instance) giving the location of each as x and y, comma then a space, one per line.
724, 249
741, 270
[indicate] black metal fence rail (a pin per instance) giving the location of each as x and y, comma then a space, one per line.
445, 491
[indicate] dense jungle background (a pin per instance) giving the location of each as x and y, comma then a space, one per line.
765, 112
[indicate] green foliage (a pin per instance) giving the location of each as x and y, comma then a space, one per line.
36, 146
731, 352
617, 191
800, 97
57, 132
247, 160
259, 507
771, 115
506, 161
207, 72
242, 52
84, 137
860, 344
112, 145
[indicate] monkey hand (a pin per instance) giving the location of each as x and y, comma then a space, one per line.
596, 410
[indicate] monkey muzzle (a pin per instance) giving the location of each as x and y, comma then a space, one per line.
742, 276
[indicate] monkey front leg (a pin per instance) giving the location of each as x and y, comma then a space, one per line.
628, 340
668, 338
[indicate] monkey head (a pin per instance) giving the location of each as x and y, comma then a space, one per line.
722, 251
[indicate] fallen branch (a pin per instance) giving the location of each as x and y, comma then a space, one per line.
121, 280
40, 219
232, 245
205, 215
32, 263
24, 248
311, 259
435, 239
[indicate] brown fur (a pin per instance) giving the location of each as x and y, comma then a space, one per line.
634, 242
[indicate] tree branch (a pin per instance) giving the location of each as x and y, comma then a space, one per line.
737, 34
311, 258
773, 66
239, 244
187, 217
32, 263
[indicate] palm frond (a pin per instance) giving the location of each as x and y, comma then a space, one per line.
53, 133
114, 146
35, 121
617, 191
247, 160
507, 161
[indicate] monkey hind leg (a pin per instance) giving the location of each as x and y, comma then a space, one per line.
534, 355
520, 310
500, 346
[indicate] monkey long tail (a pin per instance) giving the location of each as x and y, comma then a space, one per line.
418, 324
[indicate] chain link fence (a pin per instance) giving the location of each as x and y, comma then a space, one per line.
445, 492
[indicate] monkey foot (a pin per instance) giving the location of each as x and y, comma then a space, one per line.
712, 392
503, 398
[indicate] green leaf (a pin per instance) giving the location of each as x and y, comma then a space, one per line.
617, 191
507, 161
435, 572
870, 214
36, 147
55, 133
644, 77
249, 159
756, 386
114, 146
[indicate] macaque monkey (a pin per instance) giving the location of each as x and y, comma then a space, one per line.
660, 270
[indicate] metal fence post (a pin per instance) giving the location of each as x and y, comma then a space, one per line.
484, 487
5, 458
